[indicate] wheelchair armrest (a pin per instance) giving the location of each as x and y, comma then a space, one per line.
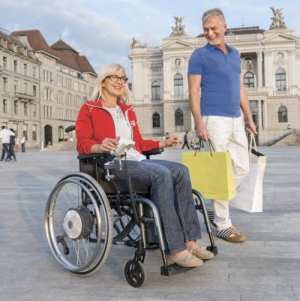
94, 156
70, 128
156, 151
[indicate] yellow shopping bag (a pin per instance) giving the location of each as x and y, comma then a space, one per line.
211, 174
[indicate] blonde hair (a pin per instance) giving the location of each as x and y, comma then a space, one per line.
103, 74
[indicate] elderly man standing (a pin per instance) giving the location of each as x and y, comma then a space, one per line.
216, 68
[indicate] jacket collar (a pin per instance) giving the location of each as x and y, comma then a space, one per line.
98, 104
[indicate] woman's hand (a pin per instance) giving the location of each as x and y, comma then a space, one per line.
171, 141
107, 145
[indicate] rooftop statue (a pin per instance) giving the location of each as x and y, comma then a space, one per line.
136, 44
278, 19
178, 29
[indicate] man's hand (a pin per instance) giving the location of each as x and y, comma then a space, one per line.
251, 127
202, 132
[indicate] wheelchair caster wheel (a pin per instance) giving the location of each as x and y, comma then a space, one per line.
134, 273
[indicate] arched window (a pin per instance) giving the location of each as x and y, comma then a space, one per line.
249, 79
156, 120
155, 88
282, 114
178, 117
280, 80
178, 84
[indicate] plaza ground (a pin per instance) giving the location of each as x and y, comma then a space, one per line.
266, 267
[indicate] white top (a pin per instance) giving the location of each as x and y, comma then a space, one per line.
5, 135
124, 131
23, 139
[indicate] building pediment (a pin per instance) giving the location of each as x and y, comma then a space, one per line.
279, 38
176, 45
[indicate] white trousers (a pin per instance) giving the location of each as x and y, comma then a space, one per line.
228, 134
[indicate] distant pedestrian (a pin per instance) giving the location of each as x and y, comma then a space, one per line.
23, 140
17, 145
12, 146
289, 127
5, 136
186, 141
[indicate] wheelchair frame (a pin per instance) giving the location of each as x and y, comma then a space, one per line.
88, 221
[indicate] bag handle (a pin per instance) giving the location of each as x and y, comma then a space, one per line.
211, 147
252, 144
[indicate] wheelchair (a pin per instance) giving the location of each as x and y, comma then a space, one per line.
88, 211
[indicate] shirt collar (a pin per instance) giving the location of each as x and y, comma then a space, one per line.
212, 48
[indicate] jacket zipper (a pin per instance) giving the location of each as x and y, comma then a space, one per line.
126, 118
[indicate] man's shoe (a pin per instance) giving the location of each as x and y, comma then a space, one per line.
231, 234
189, 261
203, 253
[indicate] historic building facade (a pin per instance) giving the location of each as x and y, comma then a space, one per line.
270, 61
42, 87
19, 88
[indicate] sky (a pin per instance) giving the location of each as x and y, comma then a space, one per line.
103, 29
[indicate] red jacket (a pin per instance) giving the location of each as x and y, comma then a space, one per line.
95, 123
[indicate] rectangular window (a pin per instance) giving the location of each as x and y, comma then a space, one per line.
15, 66
59, 80
4, 62
16, 107
34, 72
25, 69
4, 105
76, 86
25, 109
25, 131
25, 88
33, 110
16, 87
34, 127
5, 84
34, 90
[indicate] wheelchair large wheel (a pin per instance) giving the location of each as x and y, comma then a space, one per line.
78, 224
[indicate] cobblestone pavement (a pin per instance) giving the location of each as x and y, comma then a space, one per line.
265, 267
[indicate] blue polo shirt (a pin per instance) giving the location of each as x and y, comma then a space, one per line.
220, 82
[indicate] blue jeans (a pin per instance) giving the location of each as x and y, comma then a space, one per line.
5, 150
12, 151
171, 192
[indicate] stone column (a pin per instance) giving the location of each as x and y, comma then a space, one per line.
259, 68
269, 80
265, 115
259, 115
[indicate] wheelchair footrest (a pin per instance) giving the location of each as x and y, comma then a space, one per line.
173, 269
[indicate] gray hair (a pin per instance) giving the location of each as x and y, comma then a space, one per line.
213, 13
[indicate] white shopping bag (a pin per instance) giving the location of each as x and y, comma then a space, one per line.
250, 192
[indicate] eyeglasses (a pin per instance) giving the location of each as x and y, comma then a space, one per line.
115, 78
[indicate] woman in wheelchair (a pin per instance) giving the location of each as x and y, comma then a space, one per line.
101, 124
